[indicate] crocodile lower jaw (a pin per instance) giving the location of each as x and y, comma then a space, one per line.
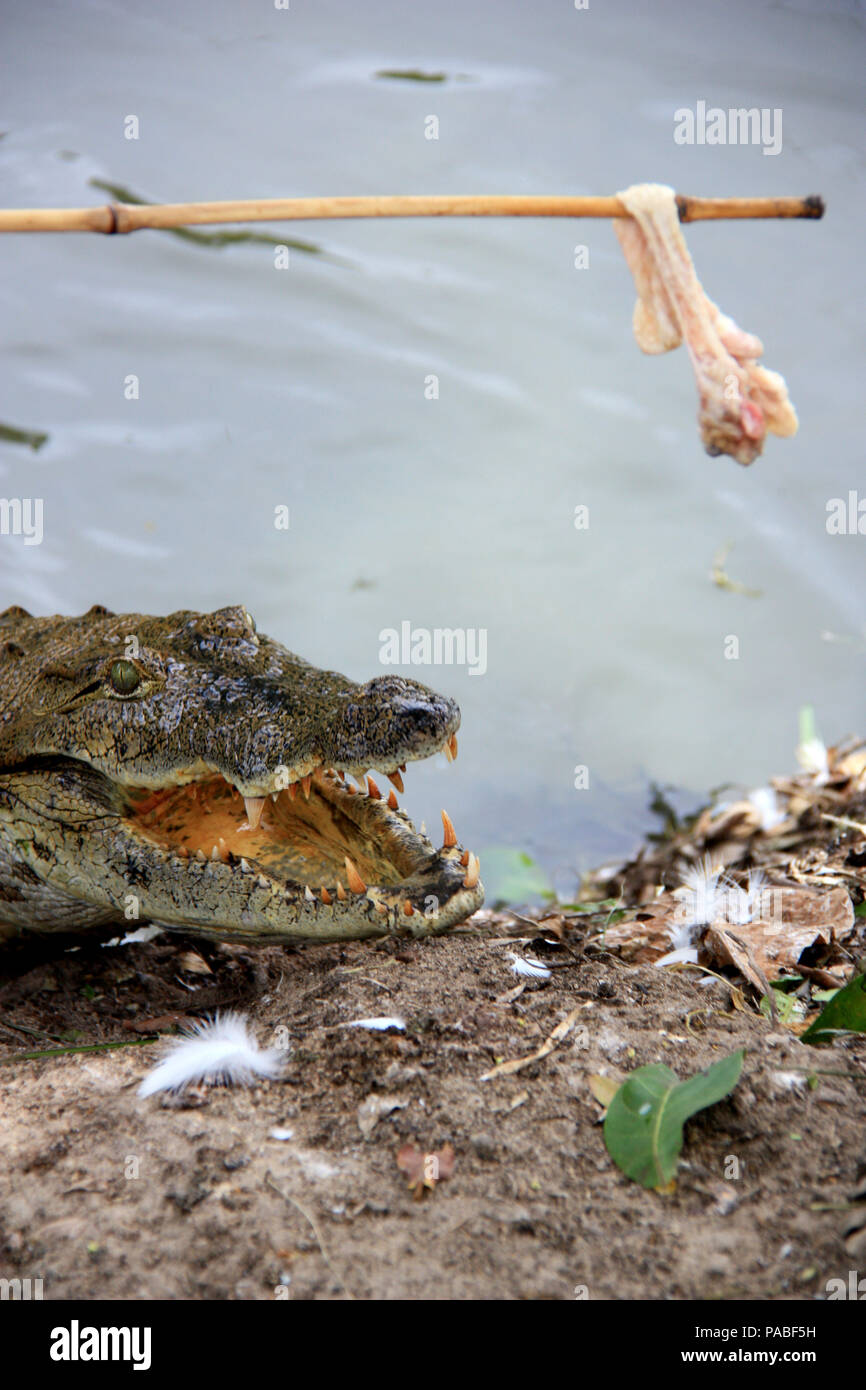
342, 861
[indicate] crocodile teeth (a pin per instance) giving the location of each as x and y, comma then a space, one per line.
472, 872
200, 856
215, 854
452, 744
292, 790
450, 832
408, 909
396, 780
373, 789
393, 802
446, 749
326, 897
464, 858
381, 909
341, 892
254, 805
356, 883
307, 894
306, 783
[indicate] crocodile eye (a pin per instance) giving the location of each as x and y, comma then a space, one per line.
124, 677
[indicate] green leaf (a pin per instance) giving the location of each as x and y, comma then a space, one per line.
512, 876
789, 1009
807, 729
12, 435
845, 1013
602, 906
411, 75
120, 194
643, 1128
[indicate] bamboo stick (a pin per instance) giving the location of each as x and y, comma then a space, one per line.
128, 217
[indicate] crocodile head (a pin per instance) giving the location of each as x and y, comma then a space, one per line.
197, 768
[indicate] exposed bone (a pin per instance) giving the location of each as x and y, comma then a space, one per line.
739, 400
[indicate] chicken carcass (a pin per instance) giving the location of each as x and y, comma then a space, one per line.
740, 401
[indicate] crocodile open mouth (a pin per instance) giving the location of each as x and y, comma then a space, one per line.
335, 850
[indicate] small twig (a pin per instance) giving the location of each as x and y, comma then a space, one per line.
560, 1032
723, 580
848, 825
311, 1220
119, 217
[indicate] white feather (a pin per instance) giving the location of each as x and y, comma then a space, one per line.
221, 1051
524, 965
699, 899
766, 803
379, 1025
812, 757
679, 953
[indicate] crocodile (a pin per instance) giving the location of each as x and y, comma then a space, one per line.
190, 772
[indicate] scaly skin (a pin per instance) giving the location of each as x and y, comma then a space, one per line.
136, 756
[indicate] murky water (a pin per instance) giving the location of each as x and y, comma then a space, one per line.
304, 387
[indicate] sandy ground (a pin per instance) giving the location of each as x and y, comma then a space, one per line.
106, 1195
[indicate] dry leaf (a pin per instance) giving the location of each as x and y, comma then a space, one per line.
646, 937
194, 964
424, 1170
604, 1088
803, 917
371, 1111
